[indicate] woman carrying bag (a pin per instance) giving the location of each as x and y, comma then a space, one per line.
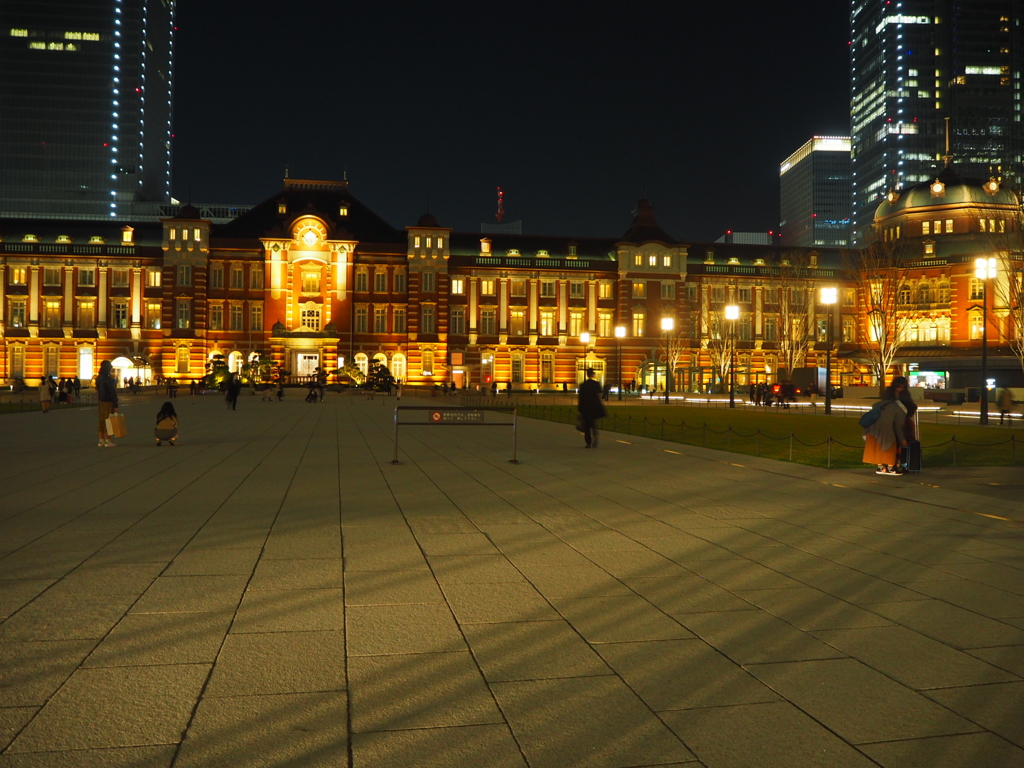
106, 397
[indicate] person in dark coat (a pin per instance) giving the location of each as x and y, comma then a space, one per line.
590, 407
234, 388
106, 399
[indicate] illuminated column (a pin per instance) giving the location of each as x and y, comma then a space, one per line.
532, 300
69, 274
563, 306
473, 281
33, 296
502, 305
592, 306
101, 299
136, 297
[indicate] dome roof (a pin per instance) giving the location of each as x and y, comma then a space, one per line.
951, 189
188, 211
645, 228
427, 220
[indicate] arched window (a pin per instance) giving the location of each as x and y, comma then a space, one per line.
926, 331
362, 362
398, 366
427, 362
235, 362
942, 329
943, 293
977, 325
924, 294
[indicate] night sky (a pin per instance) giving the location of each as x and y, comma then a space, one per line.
573, 108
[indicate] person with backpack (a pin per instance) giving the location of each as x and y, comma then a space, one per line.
884, 432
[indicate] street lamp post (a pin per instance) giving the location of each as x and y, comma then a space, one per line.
620, 333
828, 298
732, 314
984, 269
667, 324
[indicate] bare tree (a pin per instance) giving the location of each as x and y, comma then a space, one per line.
881, 275
1007, 302
789, 299
679, 341
718, 342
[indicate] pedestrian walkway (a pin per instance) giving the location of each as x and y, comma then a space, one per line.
274, 592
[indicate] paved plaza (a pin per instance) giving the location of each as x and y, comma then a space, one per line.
274, 592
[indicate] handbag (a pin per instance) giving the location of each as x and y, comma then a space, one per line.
580, 424
116, 426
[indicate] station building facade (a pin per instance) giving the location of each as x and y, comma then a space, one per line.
315, 279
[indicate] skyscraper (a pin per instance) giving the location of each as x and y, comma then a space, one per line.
85, 123
814, 186
913, 64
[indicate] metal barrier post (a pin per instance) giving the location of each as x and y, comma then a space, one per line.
790, 446
394, 459
954, 450
829, 466
515, 434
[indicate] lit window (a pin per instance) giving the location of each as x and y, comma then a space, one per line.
666, 261
51, 275
949, 225
487, 286
926, 227
119, 278
427, 362
743, 295
184, 314
310, 317
517, 322
575, 324
638, 260
18, 275
216, 317
153, 312
256, 318
458, 286
485, 246
17, 313
416, 241
604, 289
652, 260
604, 324
154, 277
547, 322
639, 328
127, 233
518, 288
282, 206
639, 289
343, 210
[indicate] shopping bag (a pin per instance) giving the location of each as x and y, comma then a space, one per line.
116, 426
581, 425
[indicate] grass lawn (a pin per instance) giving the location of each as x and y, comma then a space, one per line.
768, 434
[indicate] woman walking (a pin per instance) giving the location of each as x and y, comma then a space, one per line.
106, 397
884, 438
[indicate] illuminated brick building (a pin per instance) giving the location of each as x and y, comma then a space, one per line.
314, 278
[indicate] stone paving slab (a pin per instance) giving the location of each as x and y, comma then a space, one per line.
273, 591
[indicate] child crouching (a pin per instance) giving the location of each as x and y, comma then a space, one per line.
166, 425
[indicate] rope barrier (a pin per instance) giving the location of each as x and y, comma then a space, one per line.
836, 454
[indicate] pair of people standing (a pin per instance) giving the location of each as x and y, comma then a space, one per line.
892, 431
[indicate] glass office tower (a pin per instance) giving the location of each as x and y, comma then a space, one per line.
85, 106
913, 64
814, 187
